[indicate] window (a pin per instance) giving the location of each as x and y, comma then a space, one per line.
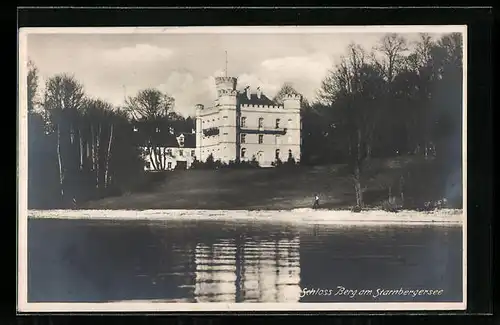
169, 152
169, 165
243, 121
261, 122
225, 133
277, 154
225, 117
148, 165
290, 154
243, 138
192, 153
277, 123
181, 153
261, 138
243, 152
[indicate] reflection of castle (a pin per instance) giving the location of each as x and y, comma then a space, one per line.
258, 271
215, 273
246, 125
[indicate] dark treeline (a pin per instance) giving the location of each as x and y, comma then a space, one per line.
82, 148
396, 99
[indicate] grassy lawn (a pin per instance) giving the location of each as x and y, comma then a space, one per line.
277, 188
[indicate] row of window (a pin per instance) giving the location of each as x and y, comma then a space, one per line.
276, 154
243, 139
169, 152
148, 165
261, 122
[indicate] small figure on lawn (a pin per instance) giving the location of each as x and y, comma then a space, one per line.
316, 201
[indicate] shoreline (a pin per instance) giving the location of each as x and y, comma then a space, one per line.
307, 216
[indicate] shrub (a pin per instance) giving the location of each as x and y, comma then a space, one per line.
210, 163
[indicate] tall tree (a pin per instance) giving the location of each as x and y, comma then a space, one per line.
32, 86
390, 56
97, 144
150, 110
285, 90
64, 97
349, 90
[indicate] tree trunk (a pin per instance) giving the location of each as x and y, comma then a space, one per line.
152, 159
92, 147
157, 157
60, 162
81, 148
357, 171
106, 173
357, 186
98, 156
164, 157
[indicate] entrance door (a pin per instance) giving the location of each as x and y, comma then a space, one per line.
181, 165
260, 158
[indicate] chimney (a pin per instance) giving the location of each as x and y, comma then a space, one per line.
247, 92
259, 93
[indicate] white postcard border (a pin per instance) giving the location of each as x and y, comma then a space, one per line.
24, 306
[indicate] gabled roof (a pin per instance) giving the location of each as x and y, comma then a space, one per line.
189, 140
169, 140
254, 100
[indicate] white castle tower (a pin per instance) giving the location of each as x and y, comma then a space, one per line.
247, 125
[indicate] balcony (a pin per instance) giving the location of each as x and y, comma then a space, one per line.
263, 130
213, 131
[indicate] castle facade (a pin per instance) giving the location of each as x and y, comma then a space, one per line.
248, 125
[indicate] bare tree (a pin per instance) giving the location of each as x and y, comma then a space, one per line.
350, 90
32, 86
392, 48
150, 109
149, 104
286, 89
98, 117
63, 99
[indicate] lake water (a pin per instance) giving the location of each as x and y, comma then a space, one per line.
209, 261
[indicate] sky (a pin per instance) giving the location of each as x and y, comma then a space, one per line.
112, 66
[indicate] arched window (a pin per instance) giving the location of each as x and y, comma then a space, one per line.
277, 123
243, 152
261, 122
243, 121
277, 154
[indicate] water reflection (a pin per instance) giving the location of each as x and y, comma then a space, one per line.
248, 269
99, 261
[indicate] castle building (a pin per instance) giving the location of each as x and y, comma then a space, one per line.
247, 125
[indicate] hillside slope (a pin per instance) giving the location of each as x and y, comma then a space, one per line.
279, 188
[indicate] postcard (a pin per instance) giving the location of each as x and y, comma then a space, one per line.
304, 168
